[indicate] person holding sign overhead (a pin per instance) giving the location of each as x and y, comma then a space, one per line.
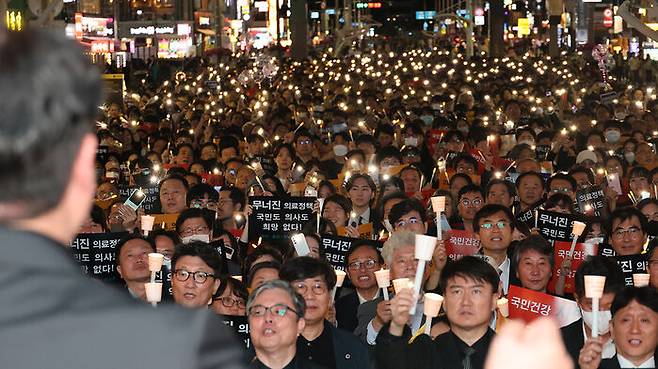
470, 290
57, 318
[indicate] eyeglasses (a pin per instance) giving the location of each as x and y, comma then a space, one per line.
317, 288
633, 232
474, 202
277, 310
500, 225
368, 264
403, 223
561, 190
229, 301
305, 142
201, 204
183, 275
197, 230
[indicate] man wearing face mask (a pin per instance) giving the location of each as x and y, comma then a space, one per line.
576, 333
335, 165
194, 225
612, 133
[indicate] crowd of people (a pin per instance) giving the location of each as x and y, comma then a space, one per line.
376, 134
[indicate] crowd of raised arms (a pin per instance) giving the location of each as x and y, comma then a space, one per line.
520, 149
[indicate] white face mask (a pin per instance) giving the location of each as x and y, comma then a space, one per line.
528, 142
410, 141
436, 106
196, 237
340, 150
630, 157
604, 318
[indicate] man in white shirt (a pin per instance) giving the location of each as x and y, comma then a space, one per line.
634, 331
493, 226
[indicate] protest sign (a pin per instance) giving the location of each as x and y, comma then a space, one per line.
460, 243
591, 202
631, 264
561, 251
336, 247
240, 326
274, 218
165, 221
529, 305
96, 254
365, 231
557, 226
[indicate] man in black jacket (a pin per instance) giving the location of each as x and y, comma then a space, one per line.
574, 335
470, 289
634, 329
50, 315
321, 342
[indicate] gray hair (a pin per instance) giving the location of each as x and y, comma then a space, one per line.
397, 240
297, 299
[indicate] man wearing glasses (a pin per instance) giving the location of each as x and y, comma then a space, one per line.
195, 276
409, 216
628, 231
321, 342
362, 260
493, 227
276, 317
399, 256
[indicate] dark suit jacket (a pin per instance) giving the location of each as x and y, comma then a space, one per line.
350, 352
365, 313
613, 362
51, 316
346, 309
572, 336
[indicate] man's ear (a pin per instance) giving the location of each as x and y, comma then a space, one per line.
215, 286
119, 271
301, 324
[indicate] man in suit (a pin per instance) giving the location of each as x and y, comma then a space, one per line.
361, 262
50, 315
634, 330
276, 318
320, 342
575, 333
470, 290
399, 255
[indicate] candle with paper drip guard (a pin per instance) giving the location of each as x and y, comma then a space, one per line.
153, 289
641, 279
594, 285
577, 229
321, 202
431, 309
383, 281
424, 249
503, 306
401, 283
340, 278
146, 222
439, 206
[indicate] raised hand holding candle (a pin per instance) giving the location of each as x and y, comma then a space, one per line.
439, 206
401, 283
340, 278
383, 281
424, 250
594, 285
155, 261
577, 229
321, 203
431, 309
153, 292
